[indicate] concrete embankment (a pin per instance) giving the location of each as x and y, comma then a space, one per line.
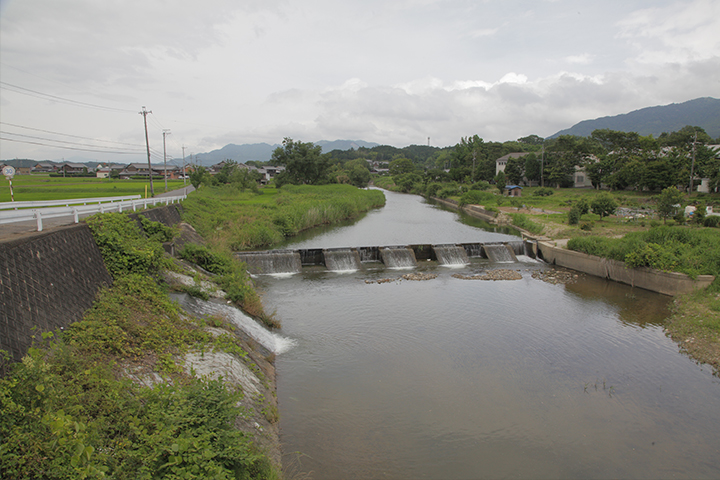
667, 283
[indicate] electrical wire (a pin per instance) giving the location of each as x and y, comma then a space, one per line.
36, 94
62, 141
66, 148
71, 136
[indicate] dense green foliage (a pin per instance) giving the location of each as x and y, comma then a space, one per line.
524, 222
123, 245
67, 410
240, 221
694, 251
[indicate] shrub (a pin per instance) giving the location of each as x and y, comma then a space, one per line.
446, 192
124, 248
586, 226
604, 205
543, 192
481, 185
432, 189
522, 221
475, 197
712, 221
574, 215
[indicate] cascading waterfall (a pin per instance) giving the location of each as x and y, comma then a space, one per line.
273, 261
499, 253
473, 250
342, 260
398, 257
271, 341
450, 255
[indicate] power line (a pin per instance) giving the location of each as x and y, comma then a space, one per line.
36, 94
61, 141
69, 135
66, 148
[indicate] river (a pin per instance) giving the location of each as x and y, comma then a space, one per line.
464, 379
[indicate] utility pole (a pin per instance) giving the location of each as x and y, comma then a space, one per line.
692, 165
184, 179
542, 165
147, 144
165, 133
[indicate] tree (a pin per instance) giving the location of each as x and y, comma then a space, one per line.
401, 165
515, 170
604, 205
531, 140
667, 201
500, 181
198, 175
304, 162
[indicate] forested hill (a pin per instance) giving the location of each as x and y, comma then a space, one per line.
262, 152
701, 112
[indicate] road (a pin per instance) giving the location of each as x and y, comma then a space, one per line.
12, 231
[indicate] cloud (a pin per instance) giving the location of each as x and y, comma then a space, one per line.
583, 59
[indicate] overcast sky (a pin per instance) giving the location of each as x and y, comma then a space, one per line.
392, 72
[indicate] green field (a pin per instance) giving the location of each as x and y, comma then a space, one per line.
28, 188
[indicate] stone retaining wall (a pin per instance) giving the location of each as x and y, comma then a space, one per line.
48, 280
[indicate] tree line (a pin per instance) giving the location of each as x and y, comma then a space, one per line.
611, 159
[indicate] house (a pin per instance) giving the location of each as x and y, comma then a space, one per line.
103, 172
44, 167
501, 162
70, 168
513, 190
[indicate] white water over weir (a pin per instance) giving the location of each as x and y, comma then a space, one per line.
500, 253
398, 257
351, 259
450, 255
341, 259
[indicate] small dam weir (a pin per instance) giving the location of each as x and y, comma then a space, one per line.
351, 259
499, 252
273, 261
450, 255
398, 257
341, 259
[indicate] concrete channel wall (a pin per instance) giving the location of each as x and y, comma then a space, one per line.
667, 283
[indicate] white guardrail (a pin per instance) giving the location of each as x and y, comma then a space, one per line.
77, 207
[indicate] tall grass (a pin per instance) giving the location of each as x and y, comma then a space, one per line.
235, 220
694, 251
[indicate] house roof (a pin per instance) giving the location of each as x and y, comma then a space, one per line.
507, 157
512, 187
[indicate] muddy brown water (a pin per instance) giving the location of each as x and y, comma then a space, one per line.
463, 379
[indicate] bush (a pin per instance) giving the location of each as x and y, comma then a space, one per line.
124, 248
543, 192
475, 197
446, 192
586, 226
432, 189
604, 205
522, 221
712, 221
481, 185
574, 215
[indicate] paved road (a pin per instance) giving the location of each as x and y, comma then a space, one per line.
12, 231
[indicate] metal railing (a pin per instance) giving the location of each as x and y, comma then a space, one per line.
38, 214
67, 203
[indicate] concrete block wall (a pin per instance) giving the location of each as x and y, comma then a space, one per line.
48, 280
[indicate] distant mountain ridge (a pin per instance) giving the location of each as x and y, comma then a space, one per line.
262, 152
701, 112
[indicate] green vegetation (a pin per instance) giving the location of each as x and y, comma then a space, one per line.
232, 220
42, 187
522, 221
679, 249
69, 411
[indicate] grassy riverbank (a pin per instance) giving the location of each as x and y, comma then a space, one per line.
233, 220
115, 395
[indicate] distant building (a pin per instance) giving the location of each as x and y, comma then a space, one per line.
513, 190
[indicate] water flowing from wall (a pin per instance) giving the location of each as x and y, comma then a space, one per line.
271, 341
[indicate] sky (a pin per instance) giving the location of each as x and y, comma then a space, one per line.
75, 74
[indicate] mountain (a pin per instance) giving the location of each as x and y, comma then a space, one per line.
262, 152
701, 112
344, 145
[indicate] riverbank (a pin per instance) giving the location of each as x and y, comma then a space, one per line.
695, 319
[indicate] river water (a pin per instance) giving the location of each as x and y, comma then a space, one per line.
464, 379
